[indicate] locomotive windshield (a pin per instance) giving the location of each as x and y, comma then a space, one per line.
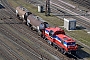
71, 43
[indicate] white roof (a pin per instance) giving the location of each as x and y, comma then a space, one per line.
69, 19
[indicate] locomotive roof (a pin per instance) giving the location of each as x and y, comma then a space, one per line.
61, 36
54, 29
65, 38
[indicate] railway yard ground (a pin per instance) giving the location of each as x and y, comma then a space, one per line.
18, 42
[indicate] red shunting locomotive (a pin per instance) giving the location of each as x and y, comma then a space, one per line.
56, 37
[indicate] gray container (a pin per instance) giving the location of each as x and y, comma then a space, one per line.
69, 23
40, 8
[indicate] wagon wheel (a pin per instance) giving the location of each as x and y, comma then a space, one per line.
18, 16
28, 24
32, 28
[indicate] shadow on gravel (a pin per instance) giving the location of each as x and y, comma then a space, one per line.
2, 7
80, 28
81, 53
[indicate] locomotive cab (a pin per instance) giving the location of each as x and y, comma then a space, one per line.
57, 38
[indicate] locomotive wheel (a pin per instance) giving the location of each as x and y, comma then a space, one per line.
63, 51
49, 42
28, 24
59, 49
54, 45
45, 38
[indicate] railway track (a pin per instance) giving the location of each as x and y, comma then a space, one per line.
75, 57
84, 3
3, 53
79, 22
22, 30
59, 8
8, 22
22, 44
10, 51
84, 23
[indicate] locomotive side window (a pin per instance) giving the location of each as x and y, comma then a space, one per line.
71, 43
51, 33
62, 41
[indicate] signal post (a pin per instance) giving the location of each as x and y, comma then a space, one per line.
47, 11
